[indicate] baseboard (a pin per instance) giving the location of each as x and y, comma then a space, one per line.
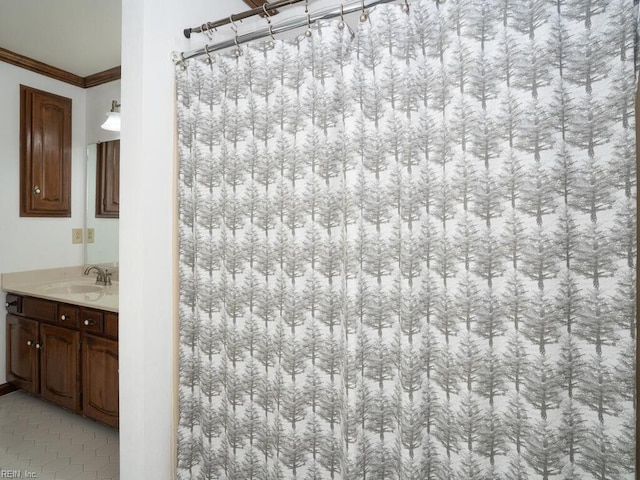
6, 388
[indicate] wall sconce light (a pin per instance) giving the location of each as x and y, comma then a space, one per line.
112, 123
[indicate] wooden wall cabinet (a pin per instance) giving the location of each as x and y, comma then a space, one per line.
66, 354
108, 180
45, 154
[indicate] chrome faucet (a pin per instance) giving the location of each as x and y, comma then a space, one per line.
102, 278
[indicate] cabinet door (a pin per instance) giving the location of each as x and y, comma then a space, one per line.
100, 394
60, 366
45, 154
22, 354
108, 180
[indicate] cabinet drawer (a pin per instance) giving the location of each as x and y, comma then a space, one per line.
91, 320
40, 309
13, 303
68, 316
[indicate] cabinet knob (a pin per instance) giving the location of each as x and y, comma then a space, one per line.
29, 342
65, 317
38, 346
36, 190
89, 322
12, 303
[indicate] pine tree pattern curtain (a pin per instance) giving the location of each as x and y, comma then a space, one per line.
409, 251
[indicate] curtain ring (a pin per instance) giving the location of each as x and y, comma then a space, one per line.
207, 31
341, 22
363, 15
237, 51
272, 42
306, 11
266, 13
209, 59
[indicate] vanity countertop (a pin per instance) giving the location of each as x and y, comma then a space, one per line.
66, 284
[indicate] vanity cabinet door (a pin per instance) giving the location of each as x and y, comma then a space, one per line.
22, 354
60, 366
45, 154
100, 379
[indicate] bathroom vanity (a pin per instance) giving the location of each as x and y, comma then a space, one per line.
62, 340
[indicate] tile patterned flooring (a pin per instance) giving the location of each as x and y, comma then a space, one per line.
43, 441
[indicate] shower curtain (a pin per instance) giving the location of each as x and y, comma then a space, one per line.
408, 251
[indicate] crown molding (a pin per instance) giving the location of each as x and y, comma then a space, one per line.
39, 67
36, 66
255, 3
102, 77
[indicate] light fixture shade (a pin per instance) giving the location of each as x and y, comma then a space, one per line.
112, 123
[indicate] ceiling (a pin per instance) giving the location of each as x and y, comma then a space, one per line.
79, 36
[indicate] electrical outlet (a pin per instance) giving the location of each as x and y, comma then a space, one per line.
76, 235
91, 235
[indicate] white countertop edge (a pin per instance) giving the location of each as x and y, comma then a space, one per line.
30, 283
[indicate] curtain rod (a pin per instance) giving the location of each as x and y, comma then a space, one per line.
284, 26
268, 7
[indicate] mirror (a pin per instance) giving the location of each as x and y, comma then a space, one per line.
104, 248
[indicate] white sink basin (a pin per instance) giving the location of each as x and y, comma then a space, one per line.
71, 288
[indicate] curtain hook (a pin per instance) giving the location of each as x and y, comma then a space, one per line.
306, 11
363, 15
341, 22
237, 51
207, 31
209, 59
272, 42
266, 13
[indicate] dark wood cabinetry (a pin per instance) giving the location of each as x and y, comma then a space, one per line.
45, 154
108, 180
66, 354
22, 356
60, 366
100, 386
